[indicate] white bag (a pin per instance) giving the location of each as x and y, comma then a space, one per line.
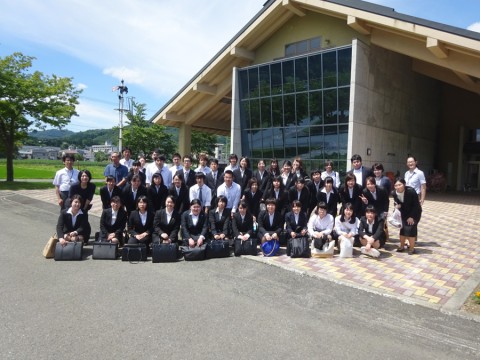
372, 252
395, 219
346, 247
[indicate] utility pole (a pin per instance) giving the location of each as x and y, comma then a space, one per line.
122, 89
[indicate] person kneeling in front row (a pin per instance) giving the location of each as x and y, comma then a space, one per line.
112, 222
371, 232
320, 227
72, 223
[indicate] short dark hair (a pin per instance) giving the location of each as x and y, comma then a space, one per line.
371, 209
68, 156
356, 157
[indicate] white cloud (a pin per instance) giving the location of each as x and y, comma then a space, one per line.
93, 116
134, 76
474, 27
81, 86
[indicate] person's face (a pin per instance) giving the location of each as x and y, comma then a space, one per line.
261, 166
195, 208
295, 165
287, 168
316, 177
135, 183
242, 210
110, 184
328, 168
271, 208
299, 186
187, 163
328, 186
228, 179
254, 187
213, 166
142, 205
84, 178
115, 159
221, 205
76, 204
411, 163
399, 187
199, 181
348, 213
243, 163
296, 209
370, 216
169, 204
322, 212
276, 184
274, 165
157, 181
115, 205
203, 162
142, 162
177, 181
377, 173
126, 154
176, 160
155, 154
357, 164
233, 161
351, 183
159, 162
370, 186
68, 163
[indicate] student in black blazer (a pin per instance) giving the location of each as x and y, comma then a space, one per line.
301, 193
371, 232
194, 225
189, 179
296, 221
166, 230
350, 192
157, 193
128, 198
262, 176
288, 178
376, 196
278, 193
329, 196
108, 191
140, 223
214, 178
180, 193
243, 174
113, 232
219, 220
242, 223
66, 229
358, 169
269, 230
253, 196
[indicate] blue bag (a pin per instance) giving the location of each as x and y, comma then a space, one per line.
270, 247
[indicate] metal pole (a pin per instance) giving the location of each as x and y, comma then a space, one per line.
122, 89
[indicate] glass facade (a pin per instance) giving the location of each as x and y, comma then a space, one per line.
297, 107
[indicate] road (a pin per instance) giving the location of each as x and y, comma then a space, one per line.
230, 308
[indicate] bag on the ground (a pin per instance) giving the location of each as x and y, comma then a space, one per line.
270, 247
72, 250
134, 253
298, 247
105, 251
395, 219
346, 247
217, 249
163, 252
194, 254
247, 247
49, 249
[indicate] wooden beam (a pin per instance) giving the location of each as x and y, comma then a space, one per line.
205, 89
437, 48
174, 117
287, 4
242, 53
358, 25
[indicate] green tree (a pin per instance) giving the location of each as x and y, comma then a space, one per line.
101, 156
141, 136
30, 100
203, 143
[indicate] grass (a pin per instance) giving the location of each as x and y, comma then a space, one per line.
39, 185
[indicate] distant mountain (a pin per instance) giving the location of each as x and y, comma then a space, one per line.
51, 134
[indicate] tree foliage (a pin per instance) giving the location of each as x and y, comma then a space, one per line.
203, 143
141, 136
30, 100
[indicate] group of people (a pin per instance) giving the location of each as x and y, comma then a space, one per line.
148, 203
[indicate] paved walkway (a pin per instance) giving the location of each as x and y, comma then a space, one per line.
442, 274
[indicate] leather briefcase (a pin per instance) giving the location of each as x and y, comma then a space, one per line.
71, 251
217, 249
247, 247
164, 252
298, 248
134, 253
105, 251
193, 254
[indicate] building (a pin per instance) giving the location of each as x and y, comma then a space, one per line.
329, 79
38, 152
107, 148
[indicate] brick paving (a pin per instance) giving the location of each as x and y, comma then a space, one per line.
447, 253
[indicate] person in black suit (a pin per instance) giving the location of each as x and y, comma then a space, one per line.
329, 196
135, 170
132, 192
270, 222
350, 193
380, 179
214, 178
361, 173
219, 220
253, 196
113, 232
376, 196
243, 174
166, 223
157, 193
314, 186
296, 221
371, 232
300, 192
262, 176
108, 191
66, 229
194, 225
180, 193
140, 223
288, 178
278, 193
242, 223
187, 174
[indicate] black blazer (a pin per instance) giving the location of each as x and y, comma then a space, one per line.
127, 197
264, 223
378, 232
135, 225
105, 195
354, 199
156, 200
365, 173
291, 179
182, 201
411, 205
242, 181
332, 202
263, 182
160, 224
190, 181
212, 183
282, 200
189, 230
304, 198
65, 226
253, 201
219, 225
143, 177
118, 226
242, 228
313, 193
292, 226
380, 204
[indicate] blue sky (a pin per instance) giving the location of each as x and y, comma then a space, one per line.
156, 46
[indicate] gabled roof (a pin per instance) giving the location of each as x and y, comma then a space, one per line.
440, 51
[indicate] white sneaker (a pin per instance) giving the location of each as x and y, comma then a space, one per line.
372, 252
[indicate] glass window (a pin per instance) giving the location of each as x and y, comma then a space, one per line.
288, 77
243, 75
277, 111
343, 105
255, 113
315, 72
266, 115
316, 142
301, 74
253, 82
302, 109
290, 50
330, 139
276, 78
316, 108
245, 114
330, 108
315, 44
329, 69
344, 66
278, 143
302, 47
289, 110
264, 73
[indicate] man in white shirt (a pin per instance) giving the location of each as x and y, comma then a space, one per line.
203, 167
158, 166
127, 160
64, 179
233, 159
230, 190
415, 178
177, 164
201, 191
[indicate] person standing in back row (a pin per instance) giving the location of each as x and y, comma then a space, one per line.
415, 178
64, 179
361, 172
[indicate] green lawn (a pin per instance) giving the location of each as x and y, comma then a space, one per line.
38, 185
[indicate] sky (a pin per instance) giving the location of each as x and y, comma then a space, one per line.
155, 46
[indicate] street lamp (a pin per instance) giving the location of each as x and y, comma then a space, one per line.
122, 89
